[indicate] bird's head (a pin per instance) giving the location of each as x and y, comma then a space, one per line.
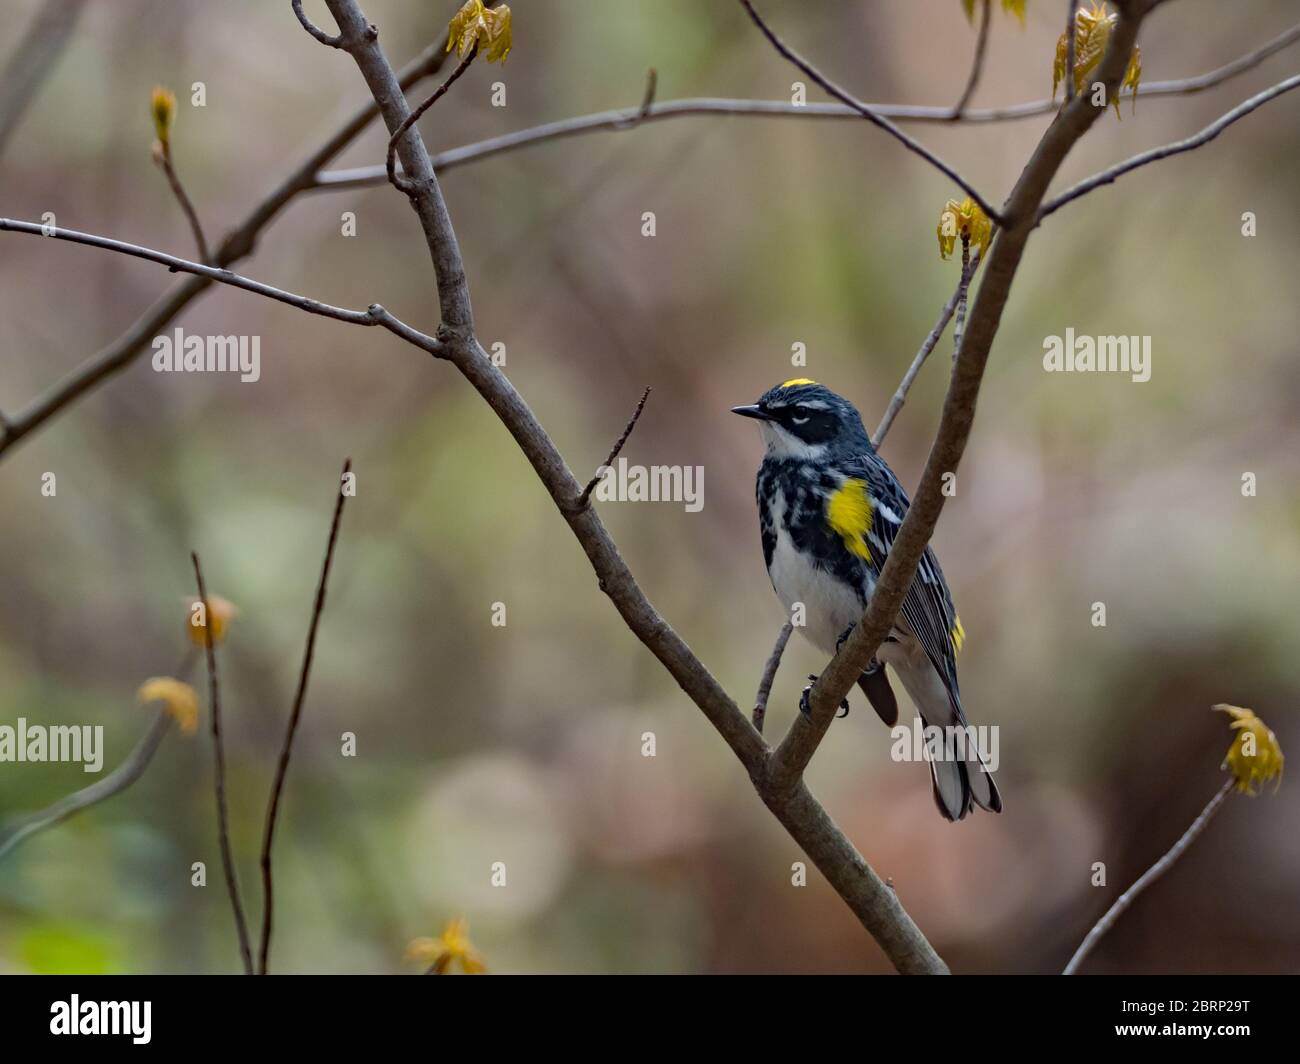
804, 419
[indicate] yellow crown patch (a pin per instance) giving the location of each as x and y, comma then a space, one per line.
797, 380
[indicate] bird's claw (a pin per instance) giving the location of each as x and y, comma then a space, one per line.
806, 708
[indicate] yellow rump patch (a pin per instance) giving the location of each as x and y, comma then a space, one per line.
848, 510
797, 380
958, 634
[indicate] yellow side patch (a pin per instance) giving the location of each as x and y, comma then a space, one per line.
957, 635
797, 380
849, 512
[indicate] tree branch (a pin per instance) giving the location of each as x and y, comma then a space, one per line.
390, 162
239, 243
115, 782
875, 905
1206, 135
866, 112
295, 714
326, 39
1148, 877
182, 198
1070, 35
372, 316
223, 814
1073, 120
769, 676
585, 498
914, 370
977, 64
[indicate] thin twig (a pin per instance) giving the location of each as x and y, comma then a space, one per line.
114, 783
866, 112
647, 101
1148, 877
314, 30
374, 315
295, 714
164, 157
239, 243
628, 118
1070, 32
1206, 135
963, 286
769, 676
977, 64
390, 163
223, 813
585, 498
900, 396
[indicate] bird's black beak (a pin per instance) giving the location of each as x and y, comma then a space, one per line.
753, 411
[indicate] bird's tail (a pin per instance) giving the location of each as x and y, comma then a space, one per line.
960, 785
961, 779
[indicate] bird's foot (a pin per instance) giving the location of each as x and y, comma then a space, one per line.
805, 707
844, 635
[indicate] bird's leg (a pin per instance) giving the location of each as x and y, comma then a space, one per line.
806, 709
873, 666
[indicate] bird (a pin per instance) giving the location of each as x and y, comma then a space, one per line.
829, 510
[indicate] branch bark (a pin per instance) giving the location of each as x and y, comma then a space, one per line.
295, 715
219, 777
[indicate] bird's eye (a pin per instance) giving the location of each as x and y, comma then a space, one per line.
798, 415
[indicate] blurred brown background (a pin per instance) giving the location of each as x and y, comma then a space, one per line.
522, 744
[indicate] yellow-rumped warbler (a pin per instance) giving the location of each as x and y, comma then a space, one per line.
829, 509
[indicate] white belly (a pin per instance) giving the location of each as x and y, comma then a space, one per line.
829, 605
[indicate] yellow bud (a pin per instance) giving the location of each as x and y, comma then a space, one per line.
1091, 35
965, 221
489, 28
178, 699
1255, 756
220, 612
164, 113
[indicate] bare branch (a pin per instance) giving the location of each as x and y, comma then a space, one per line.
313, 29
866, 112
238, 244
1074, 119
164, 157
647, 101
295, 714
33, 60
875, 905
585, 498
390, 164
977, 64
374, 315
627, 118
1206, 135
115, 782
900, 396
1147, 878
963, 285
769, 676
223, 813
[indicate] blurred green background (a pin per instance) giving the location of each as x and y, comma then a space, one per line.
522, 744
